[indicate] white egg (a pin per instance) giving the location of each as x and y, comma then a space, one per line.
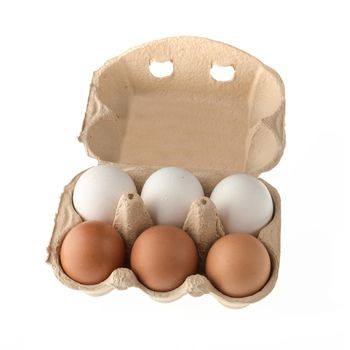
97, 192
168, 194
243, 202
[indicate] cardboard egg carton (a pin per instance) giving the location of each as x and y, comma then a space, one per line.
142, 122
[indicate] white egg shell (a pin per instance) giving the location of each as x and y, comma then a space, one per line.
168, 194
97, 192
243, 202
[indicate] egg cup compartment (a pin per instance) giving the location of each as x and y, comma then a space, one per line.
187, 119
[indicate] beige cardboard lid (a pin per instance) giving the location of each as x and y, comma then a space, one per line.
187, 119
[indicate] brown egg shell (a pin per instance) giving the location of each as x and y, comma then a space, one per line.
163, 256
90, 251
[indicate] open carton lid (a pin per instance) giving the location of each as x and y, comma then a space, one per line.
186, 119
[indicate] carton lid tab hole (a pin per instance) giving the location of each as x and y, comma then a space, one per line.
222, 73
161, 69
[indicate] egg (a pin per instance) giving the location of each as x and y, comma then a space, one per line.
168, 194
243, 202
98, 190
238, 265
163, 256
91, 251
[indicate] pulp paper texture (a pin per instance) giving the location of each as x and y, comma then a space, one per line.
190, 120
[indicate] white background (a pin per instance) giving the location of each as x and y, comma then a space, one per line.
48, 53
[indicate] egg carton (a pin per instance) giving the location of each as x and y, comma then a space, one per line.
188, 119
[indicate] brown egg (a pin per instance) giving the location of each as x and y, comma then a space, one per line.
238, 265
91, 251
163, 256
